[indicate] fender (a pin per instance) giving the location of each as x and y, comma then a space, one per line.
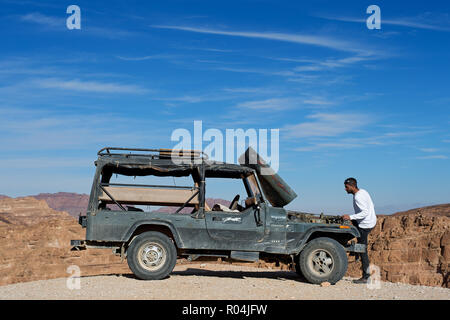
320, 229
132, 229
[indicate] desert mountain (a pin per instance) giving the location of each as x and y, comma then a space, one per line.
27, 211
436, 210
72, 203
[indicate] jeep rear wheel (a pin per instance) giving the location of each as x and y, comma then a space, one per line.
152, 256
323, 259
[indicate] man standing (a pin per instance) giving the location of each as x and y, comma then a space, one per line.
364, 219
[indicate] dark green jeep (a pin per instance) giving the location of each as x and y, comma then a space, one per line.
256, 228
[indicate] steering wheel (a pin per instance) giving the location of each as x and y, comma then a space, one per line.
234, 203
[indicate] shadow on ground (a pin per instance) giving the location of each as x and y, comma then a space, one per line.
278, 275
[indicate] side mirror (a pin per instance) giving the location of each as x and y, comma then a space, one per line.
251, 201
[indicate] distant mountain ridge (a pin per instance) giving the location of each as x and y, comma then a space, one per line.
70, 202
439, 209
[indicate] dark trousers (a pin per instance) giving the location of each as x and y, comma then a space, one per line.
364, 256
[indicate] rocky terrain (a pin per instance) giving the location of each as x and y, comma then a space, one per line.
410, 247
437, 210
27, 211
35, 244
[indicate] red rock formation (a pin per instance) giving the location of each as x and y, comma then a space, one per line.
27, 211
35, 244
411, 247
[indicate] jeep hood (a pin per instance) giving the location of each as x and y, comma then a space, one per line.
276, 190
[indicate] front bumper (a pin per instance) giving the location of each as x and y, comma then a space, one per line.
356, 247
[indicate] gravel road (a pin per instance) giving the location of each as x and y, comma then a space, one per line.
216, 282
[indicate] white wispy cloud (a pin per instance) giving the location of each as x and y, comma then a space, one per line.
256, 90
207, 49
281, 73
347, 143
428, 150
59, 24
327, 125
437, 156
310, 71
269, 104
48, 130
273, 104
415, 24
149, 57
318, 101
315, 40
44, 162
411, 22
317, 65
195, 98
362, 140
88, 86
327, 145
41, 19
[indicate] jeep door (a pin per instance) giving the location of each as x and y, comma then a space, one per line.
240, 226
245, 227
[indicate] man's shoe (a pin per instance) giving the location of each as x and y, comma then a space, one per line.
362, 280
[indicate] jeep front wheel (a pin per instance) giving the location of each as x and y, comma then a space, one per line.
323, 259
151, 256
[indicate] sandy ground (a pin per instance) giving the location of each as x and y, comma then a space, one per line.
215, 282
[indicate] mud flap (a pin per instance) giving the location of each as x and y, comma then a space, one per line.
77, 245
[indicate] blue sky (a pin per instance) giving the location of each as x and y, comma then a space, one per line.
349, 101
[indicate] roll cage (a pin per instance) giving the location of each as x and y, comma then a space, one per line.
162, 163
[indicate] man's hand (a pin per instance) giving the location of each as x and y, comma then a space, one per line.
346, 217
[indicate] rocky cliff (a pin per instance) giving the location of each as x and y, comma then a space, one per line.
35, 244
411, 247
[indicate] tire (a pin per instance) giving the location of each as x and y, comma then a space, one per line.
323, 259
151, 256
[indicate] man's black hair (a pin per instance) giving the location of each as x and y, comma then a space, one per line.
351, 181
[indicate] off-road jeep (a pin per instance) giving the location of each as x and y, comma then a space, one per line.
256, 228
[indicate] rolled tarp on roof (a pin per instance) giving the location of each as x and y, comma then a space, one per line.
143, 167
276, 190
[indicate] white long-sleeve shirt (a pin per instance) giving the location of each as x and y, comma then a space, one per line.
364, 210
